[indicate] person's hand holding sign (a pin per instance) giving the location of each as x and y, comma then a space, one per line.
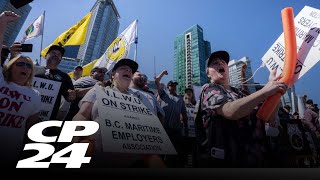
274, 86
71, 95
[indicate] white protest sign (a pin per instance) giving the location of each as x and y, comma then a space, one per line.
128, 126
17, 104
307, 24
197, 92
14, 106
191, 126
49, 91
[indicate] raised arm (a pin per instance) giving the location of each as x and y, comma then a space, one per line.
159, 77
242, 107
5, 18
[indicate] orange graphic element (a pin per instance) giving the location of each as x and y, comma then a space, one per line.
289, 64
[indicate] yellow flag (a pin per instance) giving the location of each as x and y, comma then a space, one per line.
86, 69
73, 36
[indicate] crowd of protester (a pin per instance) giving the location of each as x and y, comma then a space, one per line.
221, 129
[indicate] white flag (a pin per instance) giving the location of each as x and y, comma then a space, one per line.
34, 30
119, 48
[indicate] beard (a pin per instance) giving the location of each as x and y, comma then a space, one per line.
139, 83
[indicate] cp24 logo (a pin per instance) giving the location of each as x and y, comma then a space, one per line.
69, 130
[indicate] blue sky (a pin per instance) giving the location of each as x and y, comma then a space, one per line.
243, 28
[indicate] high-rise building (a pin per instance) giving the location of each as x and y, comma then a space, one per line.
68, 64
102, 30
69, 59
14, 28
290, 98
190, 55
240, 71
71, 51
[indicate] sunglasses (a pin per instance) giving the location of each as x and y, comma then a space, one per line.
23, 64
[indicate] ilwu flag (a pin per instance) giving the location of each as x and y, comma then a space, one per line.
119, 48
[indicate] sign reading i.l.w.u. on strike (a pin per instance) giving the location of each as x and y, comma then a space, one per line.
49, 91
307, 27
191, 125
128, 126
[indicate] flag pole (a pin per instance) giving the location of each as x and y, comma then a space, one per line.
154, 66
136, 42
44, 12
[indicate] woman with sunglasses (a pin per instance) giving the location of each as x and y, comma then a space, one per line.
121, 78
19, 102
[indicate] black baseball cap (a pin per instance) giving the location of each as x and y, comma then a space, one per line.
132, 64
78, 67
188, 89
170, 83
309, 101
287, 107
57, 47
98, 68
224, 55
